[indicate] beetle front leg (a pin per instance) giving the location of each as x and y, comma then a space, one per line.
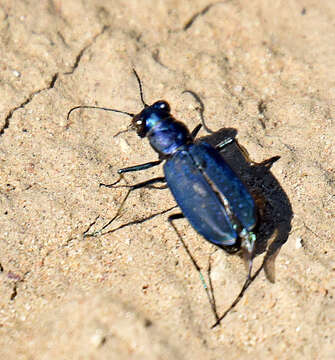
139, 167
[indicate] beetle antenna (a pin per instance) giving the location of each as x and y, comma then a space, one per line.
98, 108
140, 86
201, 109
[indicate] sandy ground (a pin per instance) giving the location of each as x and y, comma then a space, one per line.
266, 71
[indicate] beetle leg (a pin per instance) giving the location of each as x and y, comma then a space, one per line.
248, 246
140, 221
147, 183
235, 302
140, 167
223, 143
211, 288
209, 293
268, 163
195, 131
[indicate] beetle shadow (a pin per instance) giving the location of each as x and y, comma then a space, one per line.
275, 210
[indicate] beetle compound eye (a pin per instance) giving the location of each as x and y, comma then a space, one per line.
162, 105
138, 124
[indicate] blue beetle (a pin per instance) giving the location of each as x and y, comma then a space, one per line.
209, 193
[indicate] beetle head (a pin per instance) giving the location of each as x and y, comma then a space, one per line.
144, 121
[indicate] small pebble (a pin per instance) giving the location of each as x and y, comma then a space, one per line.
16, 73
238, 88
298, 243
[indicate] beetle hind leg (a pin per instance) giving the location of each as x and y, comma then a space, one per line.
248, 247
208, 289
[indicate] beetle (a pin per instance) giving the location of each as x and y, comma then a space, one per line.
209, 193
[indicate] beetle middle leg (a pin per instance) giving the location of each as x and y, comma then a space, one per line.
148, 183
145, 184
209, 290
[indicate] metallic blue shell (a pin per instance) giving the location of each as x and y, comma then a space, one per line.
209, 193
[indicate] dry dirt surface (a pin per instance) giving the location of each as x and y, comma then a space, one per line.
264, 69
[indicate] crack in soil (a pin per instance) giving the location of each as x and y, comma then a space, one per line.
190, 22
51, 83
25, 102
83, 50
